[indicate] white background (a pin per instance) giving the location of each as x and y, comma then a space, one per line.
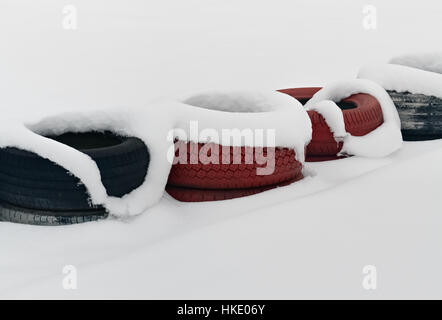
309, 240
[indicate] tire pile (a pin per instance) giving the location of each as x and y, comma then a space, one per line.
34, 190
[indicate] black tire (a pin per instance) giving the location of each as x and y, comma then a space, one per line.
421, 115
32, 182
15, 214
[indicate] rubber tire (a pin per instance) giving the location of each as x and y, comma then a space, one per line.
30, 181
326, 158
233, 176
200, 195
10, 213
421, 115
362, 114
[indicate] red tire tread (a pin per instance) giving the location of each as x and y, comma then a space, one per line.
234, 176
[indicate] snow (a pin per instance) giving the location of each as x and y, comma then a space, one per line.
311, 239
333, 117
431, 61
403, 79
384, 140
235, 101
254, 110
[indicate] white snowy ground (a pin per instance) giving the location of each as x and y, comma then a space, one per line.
308, 240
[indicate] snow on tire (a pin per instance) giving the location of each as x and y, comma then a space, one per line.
37, 191
362, 114
421, 115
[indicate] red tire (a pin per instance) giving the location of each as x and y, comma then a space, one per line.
362, 114
199, 195
218, 181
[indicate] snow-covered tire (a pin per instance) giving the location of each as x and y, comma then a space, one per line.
421, 115
220, 180
30, 181
199, 195
10, 213
362, 114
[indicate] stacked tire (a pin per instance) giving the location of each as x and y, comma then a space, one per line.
34, 190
